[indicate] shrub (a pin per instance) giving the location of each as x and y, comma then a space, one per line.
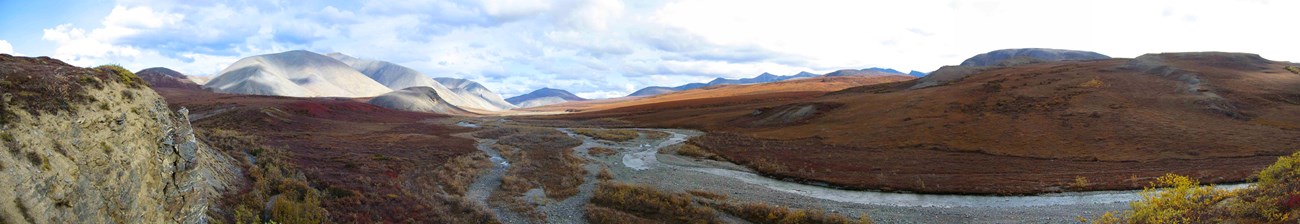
1274, 199
1293, 69
124, 76
1080, 183
763, 213
649, 203
1094, 83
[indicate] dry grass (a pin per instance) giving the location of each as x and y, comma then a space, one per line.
601, 151
617, 135
457, 174
645, 202
763, 213
602, 215
695, 151
656, 134
539, 158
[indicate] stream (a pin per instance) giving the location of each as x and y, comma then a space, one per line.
643, 158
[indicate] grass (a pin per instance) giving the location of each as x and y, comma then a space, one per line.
1293, 69
601, 151
269, 175
692, 150
124, 76
646, 202
457, 174
1275, 198
656, 134
617, 135
627, 203
763, 213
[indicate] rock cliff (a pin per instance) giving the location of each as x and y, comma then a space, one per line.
94, 145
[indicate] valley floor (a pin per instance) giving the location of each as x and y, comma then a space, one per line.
645, 161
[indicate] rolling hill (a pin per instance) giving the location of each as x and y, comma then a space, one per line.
1016, 129
476, 95
294, 73
159, 77
542, 97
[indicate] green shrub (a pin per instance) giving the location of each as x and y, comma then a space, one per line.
1274, 199
1293, 69
124, 76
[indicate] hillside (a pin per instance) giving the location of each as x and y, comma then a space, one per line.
97, 146
801, 88
416, 99
761, 78
476, 94
294, 73
1017, 129
1028, 55
159, 77
543, 97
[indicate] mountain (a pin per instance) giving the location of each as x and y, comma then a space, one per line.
392, 75
398, 77
477, 95
916, 73
1005, 57
159, 77
653, 90
761, 78
417, 99
296, 73
1029, 55
865, 71
109, 151
542, 97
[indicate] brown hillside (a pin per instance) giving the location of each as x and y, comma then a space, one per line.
1023, 129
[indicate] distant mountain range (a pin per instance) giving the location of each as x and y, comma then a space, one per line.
769, 77
543, 97
307, 74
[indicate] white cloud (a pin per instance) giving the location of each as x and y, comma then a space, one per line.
602, 48
6, 48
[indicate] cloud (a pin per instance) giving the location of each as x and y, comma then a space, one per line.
6, 48
602, 48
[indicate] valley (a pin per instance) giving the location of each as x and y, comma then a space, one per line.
1040, 140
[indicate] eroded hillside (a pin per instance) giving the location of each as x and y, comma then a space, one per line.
94, 145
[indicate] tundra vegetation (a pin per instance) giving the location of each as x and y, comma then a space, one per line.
1275, 198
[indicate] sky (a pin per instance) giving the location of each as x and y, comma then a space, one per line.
610, 48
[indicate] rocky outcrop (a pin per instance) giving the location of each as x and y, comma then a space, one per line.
109, 151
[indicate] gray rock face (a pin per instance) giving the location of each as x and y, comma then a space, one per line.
1029, 55
131, 161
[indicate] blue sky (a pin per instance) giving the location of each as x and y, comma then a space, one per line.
609, 48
